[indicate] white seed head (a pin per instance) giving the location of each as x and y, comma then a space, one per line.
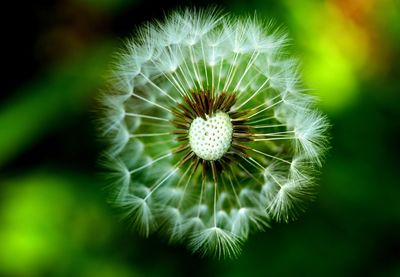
211, 138
211, 133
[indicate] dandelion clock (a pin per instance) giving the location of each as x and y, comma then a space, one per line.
211, 135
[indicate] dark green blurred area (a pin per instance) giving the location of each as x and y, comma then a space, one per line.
54, 216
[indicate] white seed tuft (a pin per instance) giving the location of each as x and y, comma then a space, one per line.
211, 133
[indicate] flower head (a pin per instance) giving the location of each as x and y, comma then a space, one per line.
211, 135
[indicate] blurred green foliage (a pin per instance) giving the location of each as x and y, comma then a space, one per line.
109, 6
54, 217
60, 93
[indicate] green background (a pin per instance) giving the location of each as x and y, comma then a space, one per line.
54, 216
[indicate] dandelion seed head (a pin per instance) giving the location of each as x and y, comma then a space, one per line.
211, 133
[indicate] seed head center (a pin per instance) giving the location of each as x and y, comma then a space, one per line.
212, 137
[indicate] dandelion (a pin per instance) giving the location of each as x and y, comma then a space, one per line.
211, 134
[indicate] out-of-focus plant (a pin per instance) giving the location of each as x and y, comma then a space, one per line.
41, 231
42, 105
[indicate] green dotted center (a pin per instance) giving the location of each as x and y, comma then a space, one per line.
211, 138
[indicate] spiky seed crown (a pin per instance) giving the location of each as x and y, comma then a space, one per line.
211, 135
